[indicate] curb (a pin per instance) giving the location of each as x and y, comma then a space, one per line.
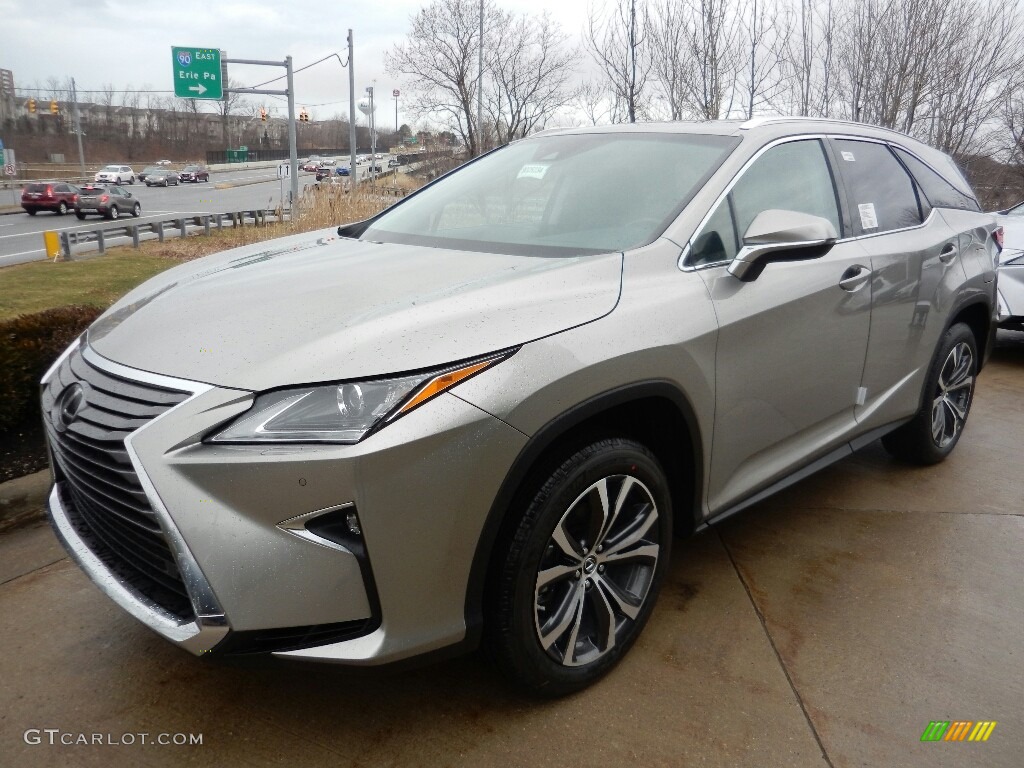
23, 500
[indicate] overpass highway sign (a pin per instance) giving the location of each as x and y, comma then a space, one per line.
197, 73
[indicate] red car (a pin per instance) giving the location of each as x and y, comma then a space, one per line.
194, 173
57, 196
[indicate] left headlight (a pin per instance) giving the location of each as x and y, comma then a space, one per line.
341, 413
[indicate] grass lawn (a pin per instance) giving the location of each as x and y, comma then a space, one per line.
99, 281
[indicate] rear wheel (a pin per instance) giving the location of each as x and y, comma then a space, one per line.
933, 432
79, 215
62, 208
31, 211
114, 213
576, 576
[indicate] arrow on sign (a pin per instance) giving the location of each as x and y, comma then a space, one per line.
199, 88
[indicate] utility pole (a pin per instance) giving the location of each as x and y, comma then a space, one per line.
480, 87
352, 172
293, 152
78, 126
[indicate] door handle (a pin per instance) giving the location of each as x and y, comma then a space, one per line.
854, 278
948, 253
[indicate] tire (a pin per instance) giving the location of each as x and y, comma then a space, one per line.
114, 213
31, 211
932, 434
118, 181
79, 215
606, 575
62, 208
137, 210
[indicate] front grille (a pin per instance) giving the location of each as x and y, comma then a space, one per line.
100, 490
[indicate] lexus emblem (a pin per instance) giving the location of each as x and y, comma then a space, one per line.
72, 400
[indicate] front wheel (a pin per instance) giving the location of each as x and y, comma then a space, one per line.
933, 432
62, 208
136, 210
577, 573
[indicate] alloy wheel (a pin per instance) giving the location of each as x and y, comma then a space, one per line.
953, 395
596, 570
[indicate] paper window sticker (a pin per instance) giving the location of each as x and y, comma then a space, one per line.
868, 219
533, 171
848, 157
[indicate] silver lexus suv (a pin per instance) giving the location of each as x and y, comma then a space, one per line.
483, 414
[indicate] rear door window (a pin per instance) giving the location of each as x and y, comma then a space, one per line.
883, 196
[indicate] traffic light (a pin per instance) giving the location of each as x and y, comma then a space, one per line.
303, 116
54, 109
263, 114
32, 106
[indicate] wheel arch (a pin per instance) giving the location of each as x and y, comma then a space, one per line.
976, 314
651, 412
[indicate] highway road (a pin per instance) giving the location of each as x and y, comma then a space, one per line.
21, 235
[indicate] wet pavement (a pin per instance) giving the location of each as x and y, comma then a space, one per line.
825, 627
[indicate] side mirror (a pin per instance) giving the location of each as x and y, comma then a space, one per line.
776, 235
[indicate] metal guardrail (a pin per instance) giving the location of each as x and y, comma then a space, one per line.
179, 225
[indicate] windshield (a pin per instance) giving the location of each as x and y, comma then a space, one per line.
114, 168
559, 195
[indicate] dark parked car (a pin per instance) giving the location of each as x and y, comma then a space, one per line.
56, 196
195, 173
323, 172
163, 177
109, 201
148, 170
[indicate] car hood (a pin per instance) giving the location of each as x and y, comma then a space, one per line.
317, 307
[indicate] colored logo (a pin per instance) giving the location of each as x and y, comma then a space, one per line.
958, 730
184, 58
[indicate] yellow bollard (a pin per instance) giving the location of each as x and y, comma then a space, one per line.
52, 243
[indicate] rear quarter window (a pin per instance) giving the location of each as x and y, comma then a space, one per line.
940, 193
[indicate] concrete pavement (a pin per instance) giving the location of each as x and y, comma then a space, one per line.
824, 627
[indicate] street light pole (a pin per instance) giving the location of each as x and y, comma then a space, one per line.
352, 172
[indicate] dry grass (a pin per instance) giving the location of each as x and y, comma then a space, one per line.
319, 208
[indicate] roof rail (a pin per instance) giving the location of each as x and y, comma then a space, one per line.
757, 122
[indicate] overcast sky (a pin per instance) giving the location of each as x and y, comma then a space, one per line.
128, 42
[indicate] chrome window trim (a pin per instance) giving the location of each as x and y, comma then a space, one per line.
210, 625
681, 263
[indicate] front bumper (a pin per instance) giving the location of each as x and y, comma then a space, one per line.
421, 487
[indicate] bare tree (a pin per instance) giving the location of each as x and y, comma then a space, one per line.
765, 37
617, 40
530, 71
230, 104
712, 46
666, 30
438, 63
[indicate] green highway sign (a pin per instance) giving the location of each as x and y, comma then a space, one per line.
197, 73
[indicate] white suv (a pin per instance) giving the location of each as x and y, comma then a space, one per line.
116, 174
